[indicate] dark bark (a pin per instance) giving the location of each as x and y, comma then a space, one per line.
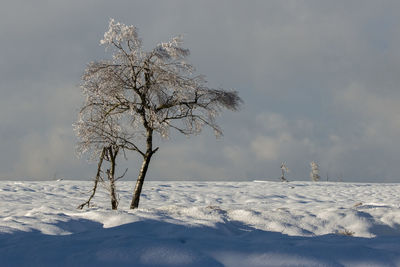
112, 152
139, 182
113, 194
145, 165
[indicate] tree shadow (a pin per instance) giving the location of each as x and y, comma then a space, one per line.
163, 243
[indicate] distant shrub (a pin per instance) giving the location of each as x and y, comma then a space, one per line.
284, 170
314, 175
345, 232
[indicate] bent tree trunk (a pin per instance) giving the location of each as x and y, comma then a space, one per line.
145, 165
140, 181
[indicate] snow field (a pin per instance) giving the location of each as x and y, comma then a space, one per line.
202, 224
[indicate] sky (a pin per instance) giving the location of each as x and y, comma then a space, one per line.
319, 79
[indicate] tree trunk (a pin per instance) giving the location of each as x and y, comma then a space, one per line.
114, 201
140, 181
111, 177
143, 170
96, 180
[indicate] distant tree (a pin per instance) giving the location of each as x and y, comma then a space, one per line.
314, 175
152, 92
284, 170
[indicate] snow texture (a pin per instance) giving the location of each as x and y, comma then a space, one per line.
201, 224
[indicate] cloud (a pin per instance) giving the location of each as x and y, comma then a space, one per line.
320, 82
379, 112
38, 130
371, 117
42, 154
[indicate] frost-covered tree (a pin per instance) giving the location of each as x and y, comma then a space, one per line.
314, 174
284, 169
152, 92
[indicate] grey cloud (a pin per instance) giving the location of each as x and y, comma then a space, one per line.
319, 80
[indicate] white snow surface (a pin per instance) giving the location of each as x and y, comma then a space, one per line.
201, 224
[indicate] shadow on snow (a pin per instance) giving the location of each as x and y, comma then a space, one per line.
160, 243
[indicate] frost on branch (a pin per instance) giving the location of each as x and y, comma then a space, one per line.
156, 87
118, 33
171, 50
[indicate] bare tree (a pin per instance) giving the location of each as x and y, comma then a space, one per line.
152, 92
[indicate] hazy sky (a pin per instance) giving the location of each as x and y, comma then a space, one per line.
320, 81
